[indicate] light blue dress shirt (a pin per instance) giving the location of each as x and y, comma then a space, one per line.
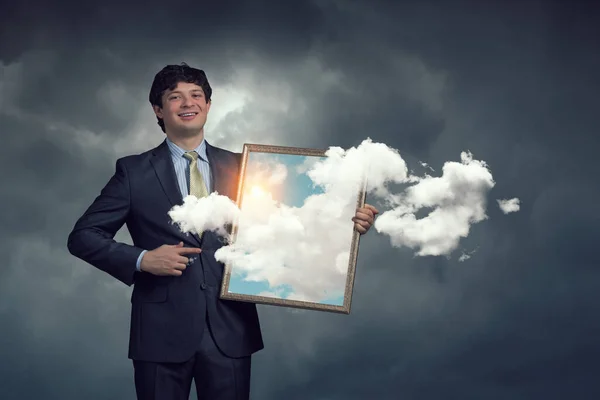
182, 168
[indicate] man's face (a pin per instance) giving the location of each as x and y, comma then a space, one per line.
184, 109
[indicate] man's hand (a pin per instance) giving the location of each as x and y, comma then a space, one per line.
167, 259
364, 218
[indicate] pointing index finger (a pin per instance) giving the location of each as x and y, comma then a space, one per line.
185, 250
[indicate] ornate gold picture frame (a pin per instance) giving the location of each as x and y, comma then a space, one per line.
319, 273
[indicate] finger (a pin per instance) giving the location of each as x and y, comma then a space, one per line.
183, 260
175, 272
180, 267
359, 228
365, 211
376, 211
365, 224
188, 250
180, 244
364, 216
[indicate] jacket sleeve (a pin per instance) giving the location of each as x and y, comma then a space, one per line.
92, 237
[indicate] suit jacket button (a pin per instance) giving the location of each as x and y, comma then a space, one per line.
203, 286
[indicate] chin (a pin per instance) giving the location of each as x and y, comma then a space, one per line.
190, 130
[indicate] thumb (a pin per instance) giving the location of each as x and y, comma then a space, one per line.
180, 244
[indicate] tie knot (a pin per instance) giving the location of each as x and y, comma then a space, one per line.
191, 155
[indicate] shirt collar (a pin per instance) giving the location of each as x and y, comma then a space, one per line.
178, 152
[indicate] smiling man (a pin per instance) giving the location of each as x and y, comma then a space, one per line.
180, 330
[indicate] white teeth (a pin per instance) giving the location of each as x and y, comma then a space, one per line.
187, 114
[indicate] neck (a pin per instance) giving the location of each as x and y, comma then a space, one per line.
187, 143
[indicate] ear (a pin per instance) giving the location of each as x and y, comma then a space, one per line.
208, 106
158, 111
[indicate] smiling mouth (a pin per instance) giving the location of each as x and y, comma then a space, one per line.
188, 114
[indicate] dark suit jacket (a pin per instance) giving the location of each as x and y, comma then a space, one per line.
168, 314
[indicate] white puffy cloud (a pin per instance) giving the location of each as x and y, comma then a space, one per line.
210, 213
265, 172
457, 200
510, 205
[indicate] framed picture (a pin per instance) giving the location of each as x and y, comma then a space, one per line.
294, 245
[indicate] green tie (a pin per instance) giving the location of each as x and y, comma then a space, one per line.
197, 185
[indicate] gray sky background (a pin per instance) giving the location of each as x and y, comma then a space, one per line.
516, 83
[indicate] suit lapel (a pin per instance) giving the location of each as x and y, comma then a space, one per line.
165, 172
224, 173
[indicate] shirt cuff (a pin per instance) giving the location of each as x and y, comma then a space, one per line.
139, 260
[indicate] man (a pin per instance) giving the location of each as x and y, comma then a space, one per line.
180, 329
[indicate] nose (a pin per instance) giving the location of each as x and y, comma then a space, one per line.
186, 102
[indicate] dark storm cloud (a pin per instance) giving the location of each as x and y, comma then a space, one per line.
142, 29
516, 85
510, 323
70, 53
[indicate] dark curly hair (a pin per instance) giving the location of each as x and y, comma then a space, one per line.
168, 78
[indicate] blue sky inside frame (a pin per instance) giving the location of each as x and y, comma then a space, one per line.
298, 187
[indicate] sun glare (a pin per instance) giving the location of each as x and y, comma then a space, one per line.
257, 191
